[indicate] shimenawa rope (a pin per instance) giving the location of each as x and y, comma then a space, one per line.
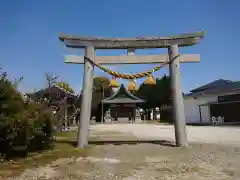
130, 76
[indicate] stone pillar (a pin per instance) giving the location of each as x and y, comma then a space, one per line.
177, 97
85, 113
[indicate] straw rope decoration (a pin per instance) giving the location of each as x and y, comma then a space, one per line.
130, 76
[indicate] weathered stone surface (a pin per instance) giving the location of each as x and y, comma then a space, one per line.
187, 39
133, 59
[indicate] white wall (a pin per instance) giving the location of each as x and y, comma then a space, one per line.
192, 110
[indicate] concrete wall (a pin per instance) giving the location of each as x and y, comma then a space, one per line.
192, 110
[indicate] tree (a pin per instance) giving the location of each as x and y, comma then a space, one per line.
16, 82
51, 80
158, 95
163, 91
164, 99
11, 100
101, 90
147, 92
65, 86
24, 125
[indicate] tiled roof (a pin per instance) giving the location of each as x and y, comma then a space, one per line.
122, 96
56, 93
215, 84
215, 87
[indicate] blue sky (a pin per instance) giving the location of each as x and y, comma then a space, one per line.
29, 30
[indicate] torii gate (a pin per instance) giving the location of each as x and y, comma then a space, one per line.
90, 44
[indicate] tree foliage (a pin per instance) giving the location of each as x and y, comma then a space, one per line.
163, 91
155, 95
24, 126
101, 90
10, 99
158, 95
65, 86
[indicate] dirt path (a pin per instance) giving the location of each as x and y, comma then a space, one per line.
204, 134
201, 161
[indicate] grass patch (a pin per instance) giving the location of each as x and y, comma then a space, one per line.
101, 136
66, 134
64, 146
62, 149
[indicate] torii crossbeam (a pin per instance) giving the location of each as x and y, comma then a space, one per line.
90, 44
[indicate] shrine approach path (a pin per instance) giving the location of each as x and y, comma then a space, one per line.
202, 134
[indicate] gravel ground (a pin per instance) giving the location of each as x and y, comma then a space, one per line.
203, 159
203, 134
145, 162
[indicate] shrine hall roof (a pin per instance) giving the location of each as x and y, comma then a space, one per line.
122, 96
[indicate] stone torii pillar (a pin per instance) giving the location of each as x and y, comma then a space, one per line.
177, 97
171, 42
85, 112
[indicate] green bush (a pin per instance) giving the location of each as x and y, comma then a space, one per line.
26, 132
24, 127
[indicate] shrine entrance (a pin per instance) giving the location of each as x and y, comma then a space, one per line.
123, 106
90, 44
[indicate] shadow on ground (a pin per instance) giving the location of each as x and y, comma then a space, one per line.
122, 142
